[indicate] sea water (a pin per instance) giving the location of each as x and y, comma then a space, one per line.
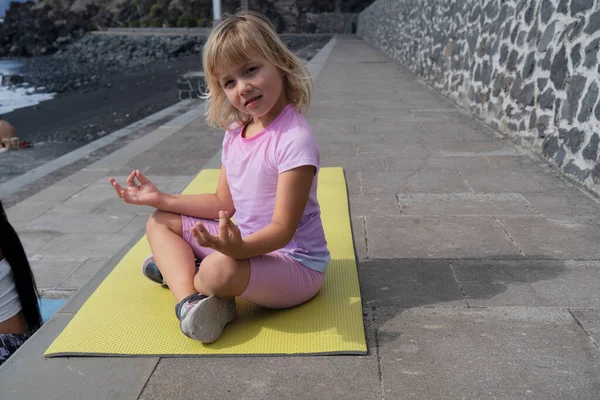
13, 98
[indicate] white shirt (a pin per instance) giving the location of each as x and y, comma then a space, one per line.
9, 298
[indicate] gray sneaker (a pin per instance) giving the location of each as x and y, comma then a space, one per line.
204, 317
151, 271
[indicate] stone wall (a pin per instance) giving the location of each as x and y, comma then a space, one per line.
529, 68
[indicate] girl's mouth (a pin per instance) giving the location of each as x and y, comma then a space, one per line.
252, 101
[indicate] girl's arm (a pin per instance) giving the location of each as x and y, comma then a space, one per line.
144, 192
206, 205
293, 189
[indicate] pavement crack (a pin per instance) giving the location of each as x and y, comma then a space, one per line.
399, 204
378, 353
364, 221
462, 291
583, 328
360, 184
510, 237
466, 182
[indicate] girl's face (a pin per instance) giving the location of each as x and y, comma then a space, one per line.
255, 87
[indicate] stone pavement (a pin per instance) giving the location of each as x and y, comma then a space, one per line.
478, 263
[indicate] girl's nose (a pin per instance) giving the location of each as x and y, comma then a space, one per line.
244, 87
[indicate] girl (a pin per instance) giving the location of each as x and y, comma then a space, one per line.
19, 311
276, 255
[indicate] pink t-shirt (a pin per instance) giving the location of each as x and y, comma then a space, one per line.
253, 166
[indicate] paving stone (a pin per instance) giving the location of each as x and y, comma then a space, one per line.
503, 353
265, 378
438, 237
529, 283
50, 272
571, 205
498, 181
24, 212
71, 377
372, 206
64, 220
441, 181
33, 241
136, 225
552, 239
590, 320
478, 147
88, 245
464, 204
355, 164
408, 283
83, 274
439, 162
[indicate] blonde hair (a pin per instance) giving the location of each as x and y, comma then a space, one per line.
229, 43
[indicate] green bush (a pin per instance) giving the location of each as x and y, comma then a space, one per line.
187, 21
156, 23
134, 24
156, 10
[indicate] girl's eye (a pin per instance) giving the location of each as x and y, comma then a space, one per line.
227, 83
250, 70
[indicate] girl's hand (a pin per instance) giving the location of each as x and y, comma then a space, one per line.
229, 241
143, 194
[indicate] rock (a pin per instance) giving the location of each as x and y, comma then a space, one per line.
574, 92
576, 55
591, 53
574, 138
527, 95
547, 11
542, 83
559, 69
587, 104
563, 7
542, 125
579, 6
550, 147
590, 152
574, 170
547, 99
547, 37
593, 23
596, 173
512, 60
529, 66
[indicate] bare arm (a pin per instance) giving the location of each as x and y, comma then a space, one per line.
197, 205
293, 189
205, 205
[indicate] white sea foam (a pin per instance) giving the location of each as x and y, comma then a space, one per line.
13, 98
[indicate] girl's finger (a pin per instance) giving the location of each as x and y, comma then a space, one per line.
131, 179
223, 225
207, 238
197, 236
234, 230
117, 187
143, 180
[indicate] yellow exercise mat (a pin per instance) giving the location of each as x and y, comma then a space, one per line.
128, 315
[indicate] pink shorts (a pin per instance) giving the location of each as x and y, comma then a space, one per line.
276, 279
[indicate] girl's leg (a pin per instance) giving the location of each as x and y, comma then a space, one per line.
222, 276
173, 255
273, 280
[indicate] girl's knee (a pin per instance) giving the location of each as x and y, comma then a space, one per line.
162, 219
216, 275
